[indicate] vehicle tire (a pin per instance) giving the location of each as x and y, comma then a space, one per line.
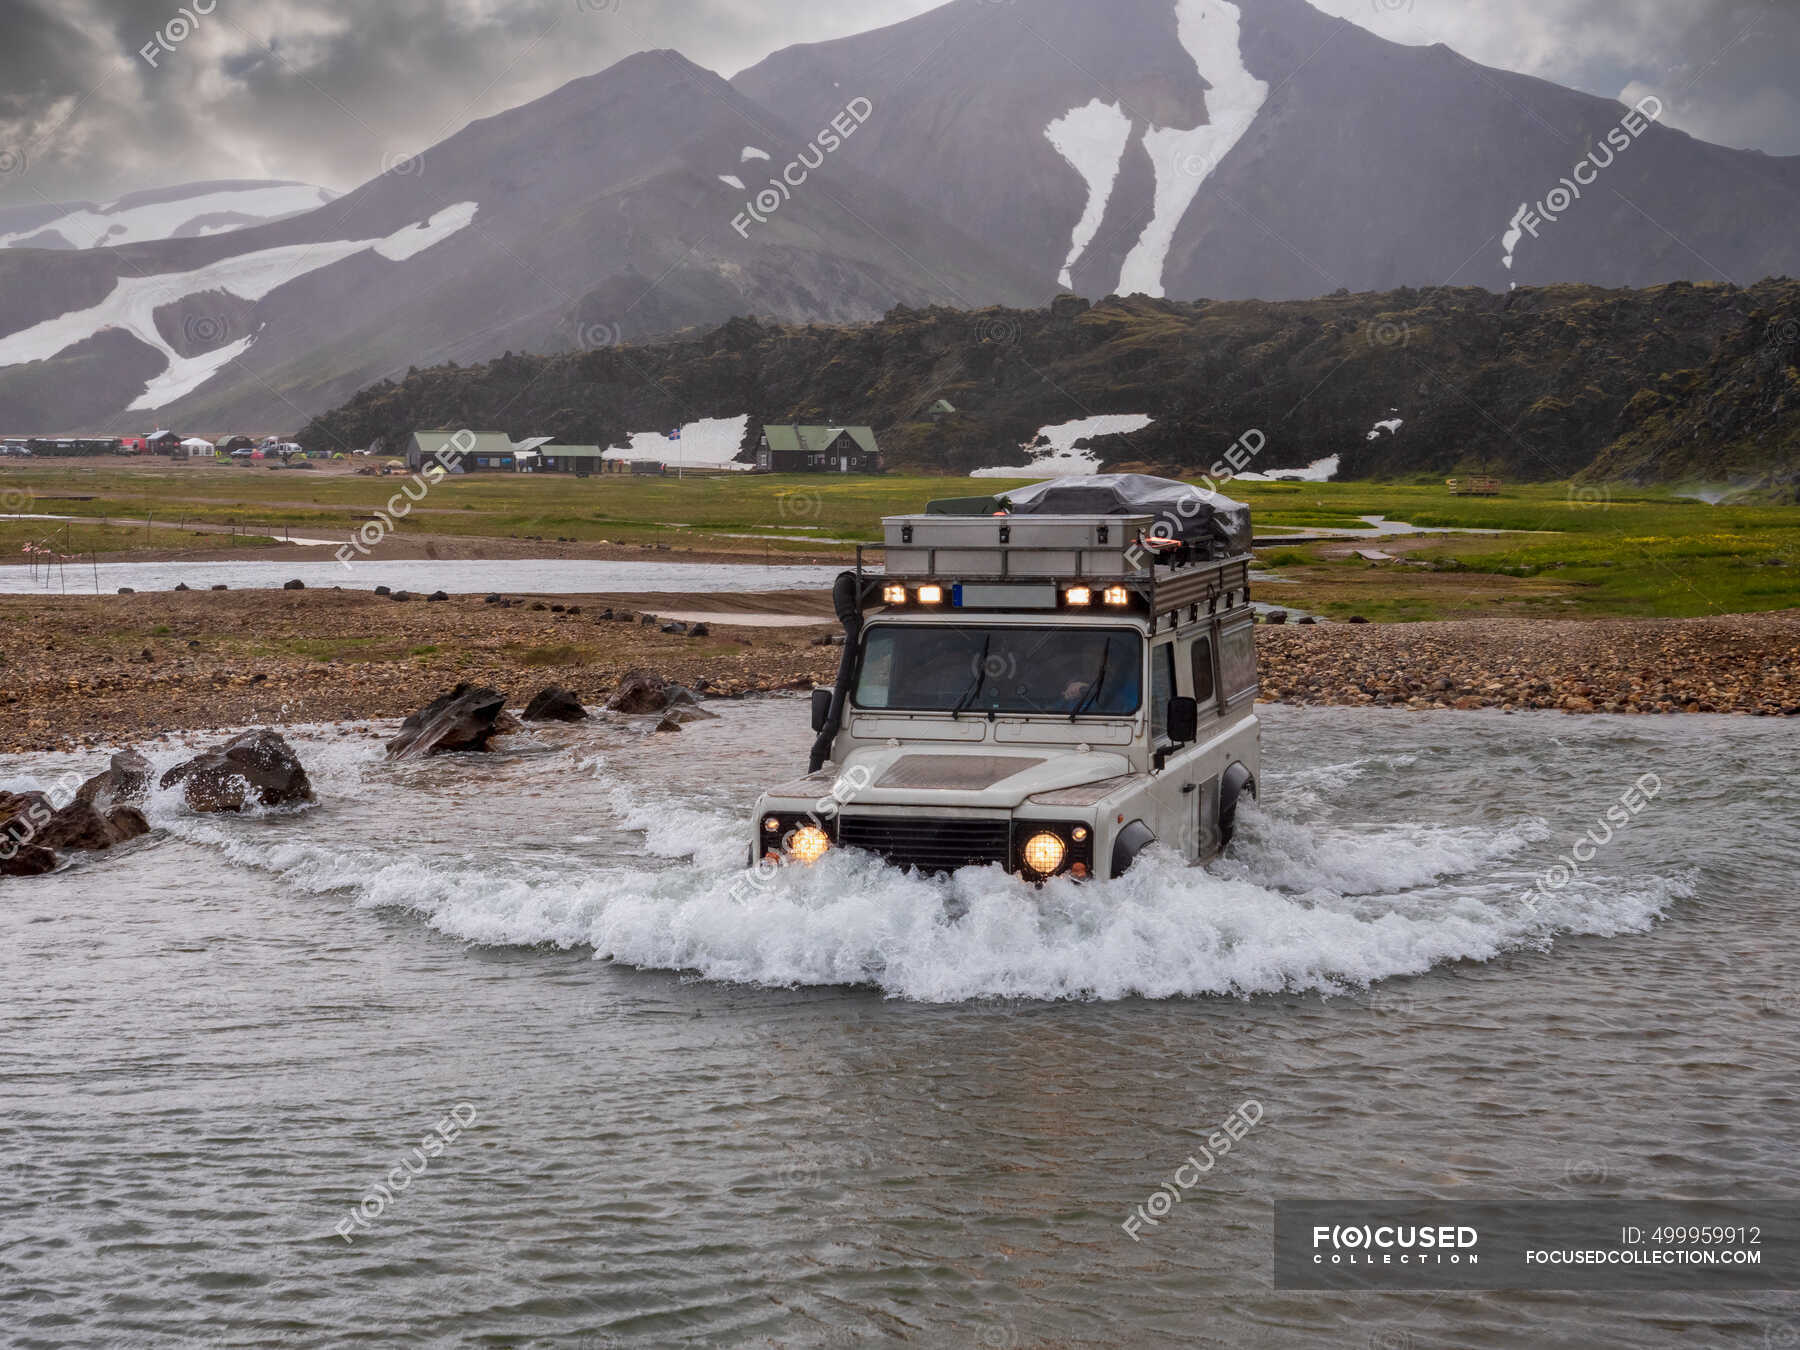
1237, 780
1128, 843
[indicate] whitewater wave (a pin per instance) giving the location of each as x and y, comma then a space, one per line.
1293, 907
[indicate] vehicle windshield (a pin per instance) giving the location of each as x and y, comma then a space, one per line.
1091, 672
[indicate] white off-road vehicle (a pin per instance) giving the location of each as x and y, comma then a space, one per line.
1052, 681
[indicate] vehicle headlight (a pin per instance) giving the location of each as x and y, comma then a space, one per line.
1044, 853
808, 843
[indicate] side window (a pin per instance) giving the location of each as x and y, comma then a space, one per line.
1162, 688
1203, 672
1237, 660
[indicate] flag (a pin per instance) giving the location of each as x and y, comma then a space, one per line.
675, 435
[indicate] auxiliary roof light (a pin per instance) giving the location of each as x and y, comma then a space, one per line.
893, 595
1116, 595
1079, 595
931, 595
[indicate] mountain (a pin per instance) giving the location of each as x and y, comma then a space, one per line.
1261, 149
161, 213
598, 213
981, 153
1670, 382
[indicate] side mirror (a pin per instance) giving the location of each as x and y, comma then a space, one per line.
1184, 720
821, 708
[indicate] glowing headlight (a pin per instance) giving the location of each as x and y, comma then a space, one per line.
931, 595
1044, 853
808, 843
1116, 595
893, 595
1079, 595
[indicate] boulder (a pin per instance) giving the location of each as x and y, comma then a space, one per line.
181, 586
221, 586
555, 704
644, 691
436, 596
463, 719
699, 630
1276, 616
25, 860
126, 780
82, 825
295, 585
254, 768
384, 590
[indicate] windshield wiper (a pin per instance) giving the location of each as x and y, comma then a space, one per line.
980, 677
1093, 690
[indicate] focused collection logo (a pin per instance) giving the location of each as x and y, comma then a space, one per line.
1396, 1244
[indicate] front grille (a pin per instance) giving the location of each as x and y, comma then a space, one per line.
927, 843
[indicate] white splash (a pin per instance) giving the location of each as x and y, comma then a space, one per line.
1092, 139
134, 300
1183, 160
1061, 456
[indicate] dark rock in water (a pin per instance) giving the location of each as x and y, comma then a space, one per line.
699, 630
384, 590
221, 586
644, 691
669, 722
295, 585
81, 825
126, 780
26, 860
254, 768
436, 595
463, 719
126, 590
22, 815
555, 704
181, 586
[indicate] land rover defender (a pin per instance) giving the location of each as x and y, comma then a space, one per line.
1051, 681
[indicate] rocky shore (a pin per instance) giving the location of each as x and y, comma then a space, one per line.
1736, 663
110, 670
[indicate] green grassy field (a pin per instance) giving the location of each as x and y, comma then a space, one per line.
1579, 550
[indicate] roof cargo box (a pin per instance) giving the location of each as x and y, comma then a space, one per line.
1210, 525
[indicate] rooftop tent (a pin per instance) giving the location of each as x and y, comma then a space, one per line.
1183, 512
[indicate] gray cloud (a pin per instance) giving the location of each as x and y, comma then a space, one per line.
329, 90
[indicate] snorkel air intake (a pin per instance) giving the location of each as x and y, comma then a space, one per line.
846, 598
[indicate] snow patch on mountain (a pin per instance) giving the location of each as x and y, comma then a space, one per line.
1092, 139
1319, 471
133, 303
709, 443
115, 224
1060, 456
1388, 425
1183, 160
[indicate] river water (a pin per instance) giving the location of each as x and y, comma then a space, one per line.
541, 576
821, 1113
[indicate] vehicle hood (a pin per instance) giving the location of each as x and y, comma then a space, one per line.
946, 776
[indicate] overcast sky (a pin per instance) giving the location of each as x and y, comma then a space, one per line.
330, 91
